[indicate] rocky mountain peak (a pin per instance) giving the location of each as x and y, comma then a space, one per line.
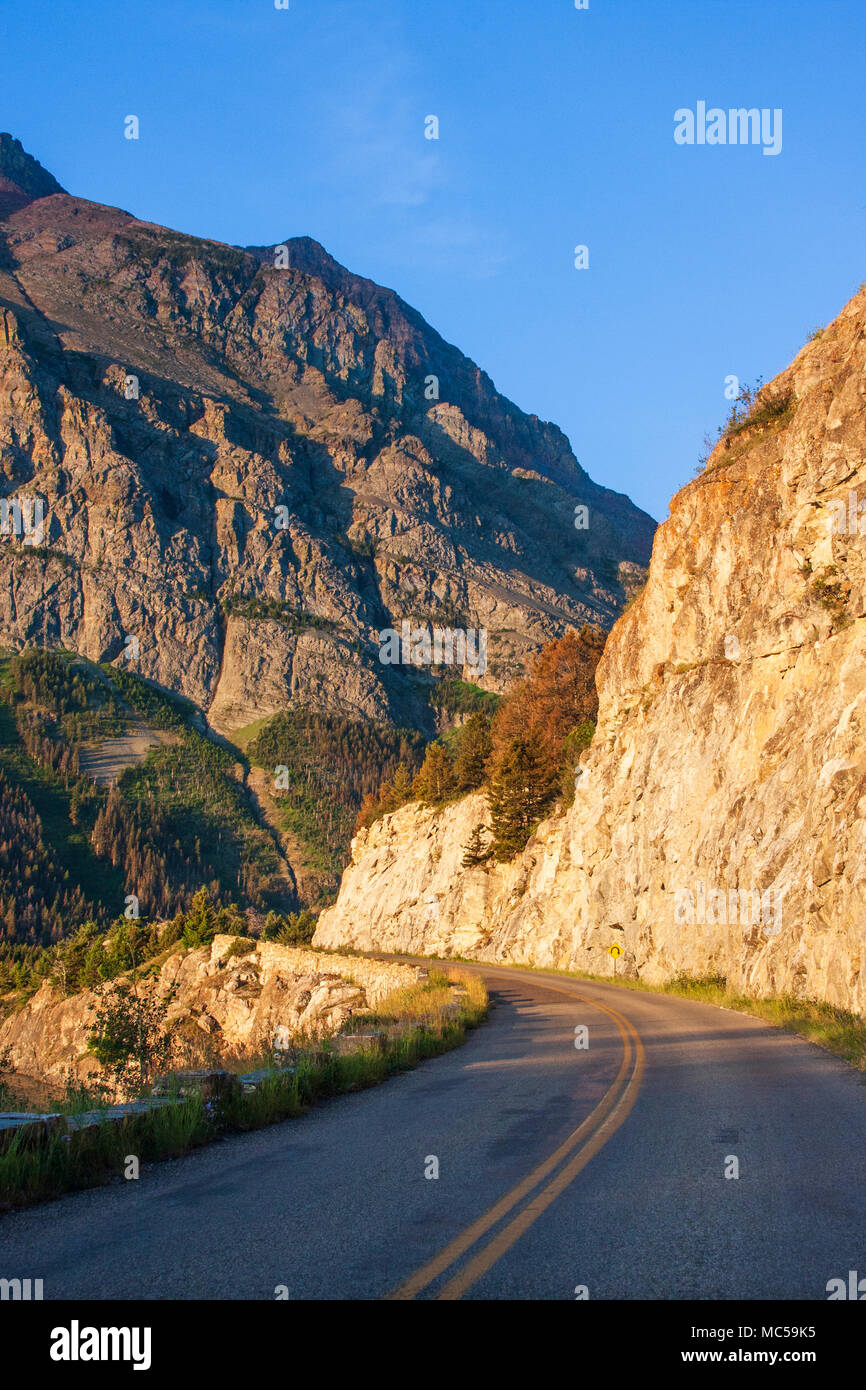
263, 461
22, 178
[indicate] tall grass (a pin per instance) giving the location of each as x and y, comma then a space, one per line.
838, 1030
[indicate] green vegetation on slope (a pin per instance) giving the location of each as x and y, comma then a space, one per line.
321, 766
72, 851
456, 696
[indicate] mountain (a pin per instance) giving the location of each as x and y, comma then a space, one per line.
719, 820
22, 178
247, 471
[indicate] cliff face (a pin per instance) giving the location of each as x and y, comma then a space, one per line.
730, 750
252, 461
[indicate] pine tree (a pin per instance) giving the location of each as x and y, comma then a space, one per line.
402, 785
473, 752
521, 790
386, 800
436, 779
477, 851
200, 922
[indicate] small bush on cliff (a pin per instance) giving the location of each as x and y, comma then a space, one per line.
760, 408
575, 743
832, 593
756, 409
241, 946
478, 850
291, 928
128, 1036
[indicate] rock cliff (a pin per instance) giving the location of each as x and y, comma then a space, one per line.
719, 821
251, 461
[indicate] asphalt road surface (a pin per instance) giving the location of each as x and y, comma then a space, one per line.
559, 1168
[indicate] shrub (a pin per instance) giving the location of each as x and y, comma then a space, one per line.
290, 929
128, 1037
478, 850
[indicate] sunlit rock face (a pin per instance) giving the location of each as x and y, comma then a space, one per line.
718, 822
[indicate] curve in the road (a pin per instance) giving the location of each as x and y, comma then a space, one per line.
577, 1150
562, 1173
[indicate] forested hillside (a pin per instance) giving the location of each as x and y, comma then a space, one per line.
521, 748
321, 767
173, 821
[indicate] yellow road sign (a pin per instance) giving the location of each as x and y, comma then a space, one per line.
615, 950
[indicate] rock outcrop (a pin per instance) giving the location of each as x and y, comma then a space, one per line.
228, 1002
730, 753
252, 461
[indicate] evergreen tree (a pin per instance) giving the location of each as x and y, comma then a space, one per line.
473, 751
478, 850
200, 920
402, 785
435, 781
521, 790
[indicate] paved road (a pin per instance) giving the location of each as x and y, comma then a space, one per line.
558, 1168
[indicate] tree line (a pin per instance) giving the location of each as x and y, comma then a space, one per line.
523, 754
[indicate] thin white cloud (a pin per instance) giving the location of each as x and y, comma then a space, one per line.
461, 243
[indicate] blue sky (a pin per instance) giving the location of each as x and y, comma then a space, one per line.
556, 129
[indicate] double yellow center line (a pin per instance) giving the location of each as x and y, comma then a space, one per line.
563, 1164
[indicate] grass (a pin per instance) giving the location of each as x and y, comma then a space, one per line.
832, 596
430, 1007
837, 1030
433, 1023
755, 412
462, 697
242, 738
